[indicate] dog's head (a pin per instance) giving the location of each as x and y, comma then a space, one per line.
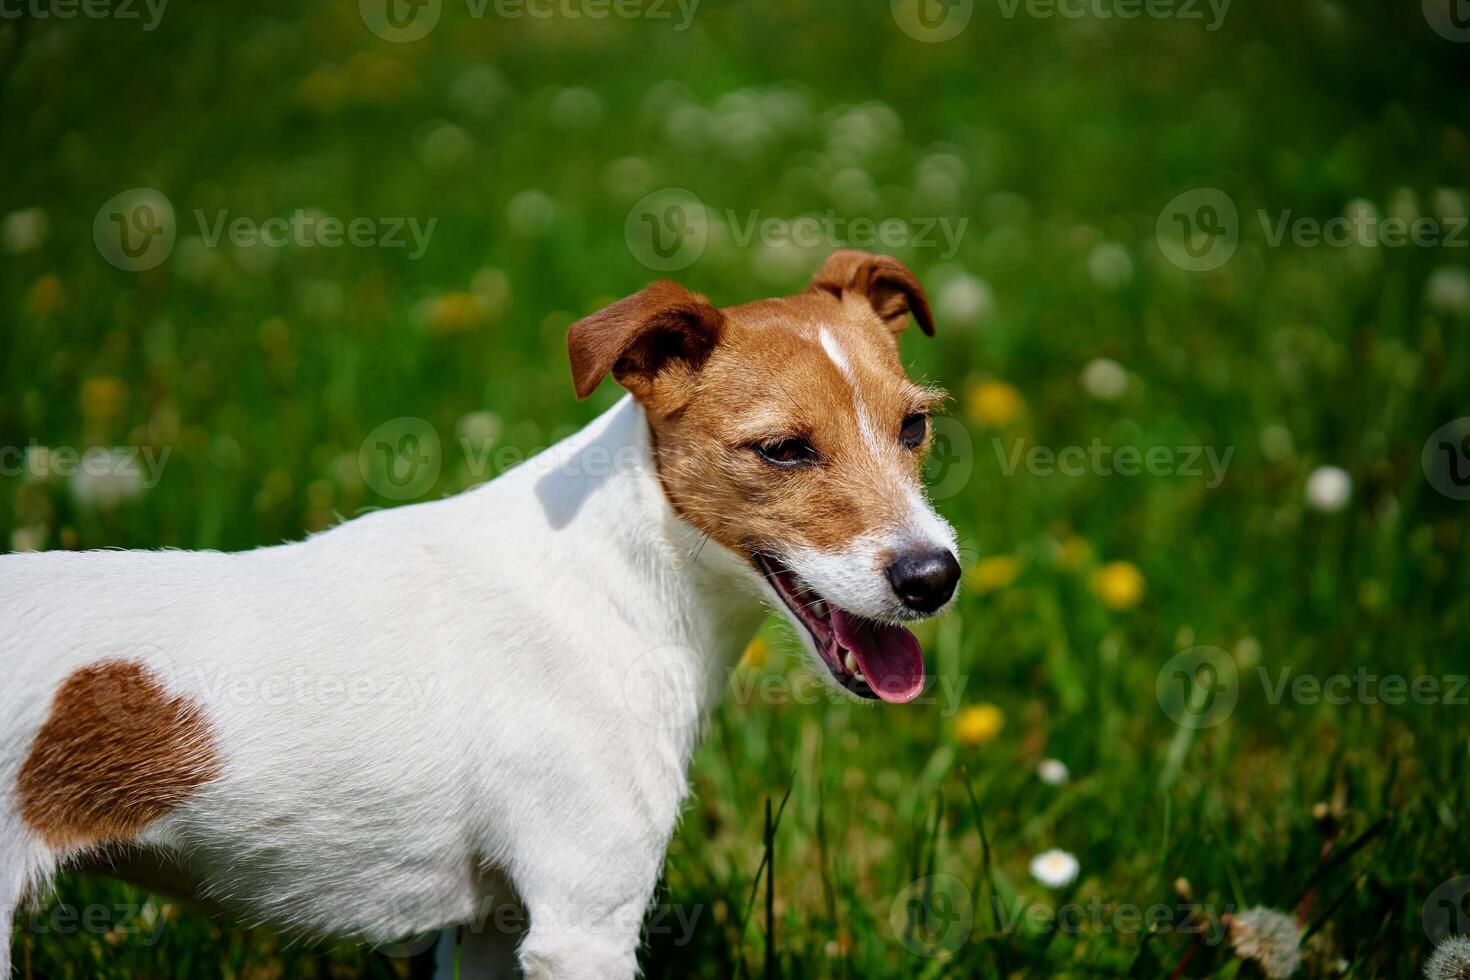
787, 430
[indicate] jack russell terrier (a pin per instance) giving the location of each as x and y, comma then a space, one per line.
234, 727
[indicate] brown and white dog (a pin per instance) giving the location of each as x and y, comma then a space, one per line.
379, 730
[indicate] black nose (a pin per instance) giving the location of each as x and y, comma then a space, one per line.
924, 580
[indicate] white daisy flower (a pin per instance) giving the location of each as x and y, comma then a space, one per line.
964, 301
24, 231
478, 430
1053, 772
1104, 379
1110, 266
1055, 868
1448, 289
1329, 488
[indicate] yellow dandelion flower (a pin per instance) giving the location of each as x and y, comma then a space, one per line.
995, 404
46, 295
979, 724
103, 398
324, 90
456, 312
1119, 584
1074, 552
379, 79
993, 574
275, 337
755, 654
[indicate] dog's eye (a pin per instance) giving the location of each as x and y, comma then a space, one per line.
786, 452
915, 428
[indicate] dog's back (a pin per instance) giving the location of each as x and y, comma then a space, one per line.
177, 691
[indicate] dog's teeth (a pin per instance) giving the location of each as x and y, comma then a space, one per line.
857, 675
850, 662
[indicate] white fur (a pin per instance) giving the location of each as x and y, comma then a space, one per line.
844, 366
854, 576
430, 712
533, 661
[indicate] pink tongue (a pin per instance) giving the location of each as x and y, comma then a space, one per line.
889, 656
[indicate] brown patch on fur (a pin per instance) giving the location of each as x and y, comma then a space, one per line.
762, 374
886, 283
116, 753
643, 339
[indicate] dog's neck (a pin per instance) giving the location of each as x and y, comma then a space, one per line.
694, 603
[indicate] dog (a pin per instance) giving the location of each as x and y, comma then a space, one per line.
495, 696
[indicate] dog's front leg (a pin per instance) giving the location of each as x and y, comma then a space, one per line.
587, 899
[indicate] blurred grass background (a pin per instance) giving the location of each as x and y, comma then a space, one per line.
261, 371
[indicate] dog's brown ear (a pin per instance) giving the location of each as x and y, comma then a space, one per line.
664, 333
888, 285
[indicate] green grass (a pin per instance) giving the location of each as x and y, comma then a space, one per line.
261, 371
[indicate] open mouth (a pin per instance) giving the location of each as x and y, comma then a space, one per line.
872, 660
